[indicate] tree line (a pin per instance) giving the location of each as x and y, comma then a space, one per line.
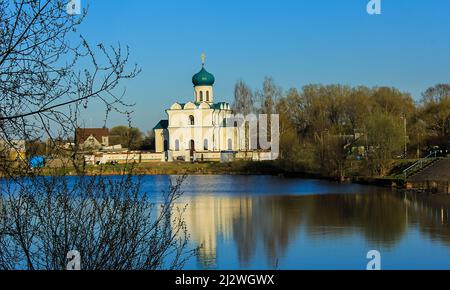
327, 128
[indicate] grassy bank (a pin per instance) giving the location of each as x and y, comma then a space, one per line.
238, 168
355, 172
181, 168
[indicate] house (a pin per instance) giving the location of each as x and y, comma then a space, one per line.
92, 138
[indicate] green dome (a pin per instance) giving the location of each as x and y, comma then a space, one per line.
203, 78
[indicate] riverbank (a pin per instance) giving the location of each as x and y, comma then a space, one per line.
185, 168
269, 168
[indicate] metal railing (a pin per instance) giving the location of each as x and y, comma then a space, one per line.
419, 164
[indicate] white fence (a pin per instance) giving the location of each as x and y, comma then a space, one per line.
130, 157
185, 155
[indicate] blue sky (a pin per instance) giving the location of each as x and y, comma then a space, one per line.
297, 42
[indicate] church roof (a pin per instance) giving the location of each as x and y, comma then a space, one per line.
218, 106
163, 124
215, 106
203, 78
81, 134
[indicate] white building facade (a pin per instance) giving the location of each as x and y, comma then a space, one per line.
199, 129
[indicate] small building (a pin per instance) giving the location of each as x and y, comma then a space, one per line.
92, 138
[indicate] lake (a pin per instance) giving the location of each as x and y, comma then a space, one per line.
264, 222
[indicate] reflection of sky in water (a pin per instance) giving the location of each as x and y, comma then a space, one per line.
250, 185
260, 222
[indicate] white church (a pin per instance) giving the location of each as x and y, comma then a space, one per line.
198, 130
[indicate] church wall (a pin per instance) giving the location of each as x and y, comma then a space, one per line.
159, 140
227, 134
180, 118
185, 135
208, 124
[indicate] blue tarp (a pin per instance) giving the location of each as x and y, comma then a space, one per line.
37, 162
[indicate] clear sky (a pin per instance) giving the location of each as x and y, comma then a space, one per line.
297, 42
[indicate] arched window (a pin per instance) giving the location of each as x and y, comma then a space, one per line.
205, 144
207, 96
177, 145
201, 96
191, 120
230, 144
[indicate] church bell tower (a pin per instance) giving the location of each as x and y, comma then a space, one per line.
203, 85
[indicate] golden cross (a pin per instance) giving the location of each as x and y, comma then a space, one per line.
203, 56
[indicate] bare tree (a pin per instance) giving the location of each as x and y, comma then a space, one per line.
109, 221
48, 75
268, 96
243, 99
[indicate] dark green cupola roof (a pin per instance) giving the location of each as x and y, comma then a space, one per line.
203, 78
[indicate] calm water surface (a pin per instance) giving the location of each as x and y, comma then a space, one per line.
261, 222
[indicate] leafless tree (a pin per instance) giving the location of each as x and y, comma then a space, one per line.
243, 99
48, 75
108, 220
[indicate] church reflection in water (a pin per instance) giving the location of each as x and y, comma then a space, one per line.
272, 223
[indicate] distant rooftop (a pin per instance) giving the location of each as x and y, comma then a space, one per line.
163, 124
81, 134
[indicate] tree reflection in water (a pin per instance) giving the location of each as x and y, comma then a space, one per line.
273, 223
